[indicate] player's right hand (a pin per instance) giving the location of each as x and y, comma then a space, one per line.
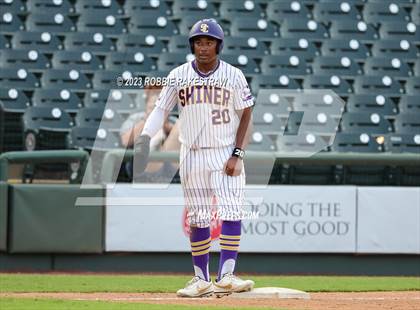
141, 155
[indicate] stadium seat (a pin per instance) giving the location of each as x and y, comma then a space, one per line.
96, 43
407, 123
108, 7
412, 86
409, 104
249, 47
400, 31
10, 23
270, 119
331, 82
15, 7
31, 60
44, 22
147, 44
118, 100
52, 7
57, 98
82, 61
393, 67
261, 142
168, 61
272, 81
355, 142
230, 9
45, 128
416, 68
197, 9
318, 101
371, 103
383, 85
146, 7
415, 13
292, 65
69, 79
300, 47
401, 49
14, 99
362, 122
137, 63
379, 12
278, 11
99, 118
40, 41
303, 143
402, 143
4, 42
158, 26
353, 29
350, 48
254, 27
106, 24
179, 44
106, 79
325, 12
18, 78
88, 138
344, 67
246, 64
308, 29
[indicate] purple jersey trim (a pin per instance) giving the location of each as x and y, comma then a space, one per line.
194, 66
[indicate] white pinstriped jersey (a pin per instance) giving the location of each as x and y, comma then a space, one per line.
206, 103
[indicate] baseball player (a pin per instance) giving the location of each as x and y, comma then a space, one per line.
215, 105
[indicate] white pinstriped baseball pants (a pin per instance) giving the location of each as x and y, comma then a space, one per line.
203, 177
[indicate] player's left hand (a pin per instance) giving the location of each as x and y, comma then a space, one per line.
233, 166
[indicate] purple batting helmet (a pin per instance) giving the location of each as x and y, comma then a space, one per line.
206, 27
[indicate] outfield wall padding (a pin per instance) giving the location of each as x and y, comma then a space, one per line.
45, 219
3, 216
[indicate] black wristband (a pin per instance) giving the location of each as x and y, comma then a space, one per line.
238, 152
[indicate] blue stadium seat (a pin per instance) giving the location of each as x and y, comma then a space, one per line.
168, 61
4, 42
99, 118
371, 103
409, 104
273, 81
64, 7
147, 44
300, 28
197, 9
89, 138
69, 79
270, 119
31, 60
107, 7
407, 123
261, 142
96, 43
415, 13
350, 48
82, 61
362, 122
332, 82
46, 128
44, 22
246, 64
137, 63
401, 49
344, 67
106, 79
229, 9
254, 27
106, 24
402, 143
325, 12
179, 44
118, 100
40, 41
400, 31
416, 68
10, 23
18, 78
393, 67
278, 11
58, 98
158, 26
355, 142
300, 47
384, 85
379, 12
412, 87
147, 7
352, 29
15, 7
250, 47
14, 99
289, 65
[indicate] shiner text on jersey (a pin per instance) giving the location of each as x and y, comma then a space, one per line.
195, 94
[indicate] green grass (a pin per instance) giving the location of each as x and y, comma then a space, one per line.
170, 283
56, 304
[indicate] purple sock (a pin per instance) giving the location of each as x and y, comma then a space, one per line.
200, 248
229, 245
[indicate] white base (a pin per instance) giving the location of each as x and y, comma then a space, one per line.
273, 292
